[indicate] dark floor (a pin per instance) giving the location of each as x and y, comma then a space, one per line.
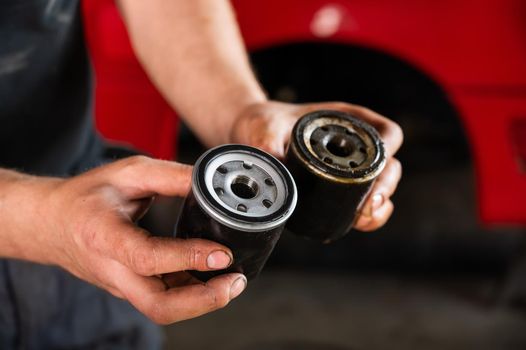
323, 311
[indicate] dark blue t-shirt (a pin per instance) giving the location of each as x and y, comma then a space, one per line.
46, 128
45, 87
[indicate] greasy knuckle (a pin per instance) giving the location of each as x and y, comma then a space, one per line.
193, 256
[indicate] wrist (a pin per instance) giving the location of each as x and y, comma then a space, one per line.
213, 112
238, 115
234, 109
23, 214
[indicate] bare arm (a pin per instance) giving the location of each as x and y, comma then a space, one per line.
14, 242
193, 52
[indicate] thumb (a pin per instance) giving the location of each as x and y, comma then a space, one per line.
140, 176
278, 137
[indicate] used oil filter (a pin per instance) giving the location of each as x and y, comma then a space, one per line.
334, 159
241, 197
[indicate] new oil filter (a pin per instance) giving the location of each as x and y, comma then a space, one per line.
334, 159
241, 197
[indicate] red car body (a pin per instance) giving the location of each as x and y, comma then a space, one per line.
474, 50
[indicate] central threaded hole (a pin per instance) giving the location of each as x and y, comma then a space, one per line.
244, 187
340, 146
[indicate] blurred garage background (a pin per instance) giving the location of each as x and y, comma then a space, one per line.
449, 269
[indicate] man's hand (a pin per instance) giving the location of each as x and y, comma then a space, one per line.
268, 126
86, 225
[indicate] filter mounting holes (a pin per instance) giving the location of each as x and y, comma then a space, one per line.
267, 203
244, 187
269, 182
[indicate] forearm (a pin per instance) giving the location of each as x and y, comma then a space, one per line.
19, 195
193, 52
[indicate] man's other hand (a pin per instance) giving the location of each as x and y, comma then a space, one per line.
268, 125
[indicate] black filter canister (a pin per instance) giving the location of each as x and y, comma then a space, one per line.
241, 197
334, 159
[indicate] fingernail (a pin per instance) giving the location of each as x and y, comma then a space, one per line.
238, 286
218, 259
377, 201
